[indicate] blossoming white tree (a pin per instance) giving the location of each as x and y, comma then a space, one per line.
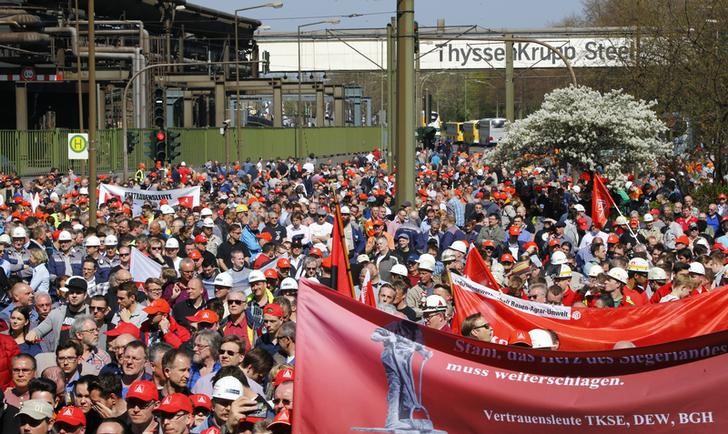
611, 132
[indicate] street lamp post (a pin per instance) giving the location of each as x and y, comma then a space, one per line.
275, 5
299, 117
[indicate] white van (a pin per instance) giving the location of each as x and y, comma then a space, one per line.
491, 131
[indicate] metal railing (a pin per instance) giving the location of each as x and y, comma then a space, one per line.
29, 153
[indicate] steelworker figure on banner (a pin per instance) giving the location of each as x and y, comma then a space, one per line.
401, 341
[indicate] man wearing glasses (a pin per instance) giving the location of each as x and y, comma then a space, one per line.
174, 414
141, 399
86, 331
59, 321
236, 323
476, 327
35, 417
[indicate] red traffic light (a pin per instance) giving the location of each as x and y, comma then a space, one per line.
161, 136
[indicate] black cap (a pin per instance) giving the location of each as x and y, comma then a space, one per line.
77, 283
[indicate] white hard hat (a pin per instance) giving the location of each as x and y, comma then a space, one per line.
19, 232
166, 209
399, 270
83, 190
595, 270
540, 338
558, 258
171, 243
564, 272
579, 207
648, 218
223, 279
426, 262
459, 246
183, 164
434, 303
289, 283
621, 220
696, 268
638, 265
345, 210
205, 212
5, 239
362, 259
78, 227
92, 241
618, 273
256, 276
657, 273
110, 240
448, 255
229, 388
65, 236
208, 222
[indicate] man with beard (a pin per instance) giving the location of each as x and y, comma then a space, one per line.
206, 350
141, 399
58, 323
85, 331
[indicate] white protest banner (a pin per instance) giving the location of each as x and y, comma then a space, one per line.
189, 197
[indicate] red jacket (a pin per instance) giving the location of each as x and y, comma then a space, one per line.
8, 349
176, 336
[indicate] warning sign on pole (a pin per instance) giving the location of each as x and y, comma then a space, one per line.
78, 146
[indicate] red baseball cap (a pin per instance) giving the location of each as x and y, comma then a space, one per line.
273, 309
211, 430
285, 374
265, 236
72, 416
174, 403
157, 306
283, 418
124, 328
683, 239
554, 242
143, 390
315, 252
200, 238
204, 315
520, 338
283, 263
488, 243
201, 401
507, 257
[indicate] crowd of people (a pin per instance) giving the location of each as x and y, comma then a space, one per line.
208, 346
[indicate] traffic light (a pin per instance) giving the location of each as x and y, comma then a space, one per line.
159, 145
174, 146
131, 141
266, 62
159, 119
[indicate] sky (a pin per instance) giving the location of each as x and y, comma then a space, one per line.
513, 14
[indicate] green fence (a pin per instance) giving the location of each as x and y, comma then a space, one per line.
35, 152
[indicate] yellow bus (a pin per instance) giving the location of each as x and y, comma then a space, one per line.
454, 131
471, 132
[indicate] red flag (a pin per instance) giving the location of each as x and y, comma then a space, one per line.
478, 271
340, 268
366, 295
601, 202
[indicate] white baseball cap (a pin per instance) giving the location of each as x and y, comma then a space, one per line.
166, 209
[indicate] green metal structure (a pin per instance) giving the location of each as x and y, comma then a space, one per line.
31, 153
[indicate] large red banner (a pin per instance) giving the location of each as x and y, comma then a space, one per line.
584, 329
362, 370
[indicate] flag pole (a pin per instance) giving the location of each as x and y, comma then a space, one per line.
614, 204
342, 240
